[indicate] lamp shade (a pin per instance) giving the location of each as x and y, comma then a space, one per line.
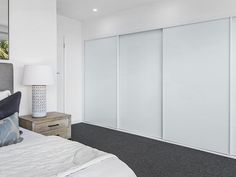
38, 75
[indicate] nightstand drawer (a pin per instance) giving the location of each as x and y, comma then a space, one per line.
62, 132
51, 125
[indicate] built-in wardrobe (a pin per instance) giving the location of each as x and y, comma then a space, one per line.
177, 84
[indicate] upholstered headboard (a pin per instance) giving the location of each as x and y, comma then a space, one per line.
6, 77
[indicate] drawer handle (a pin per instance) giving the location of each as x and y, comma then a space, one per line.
53, 125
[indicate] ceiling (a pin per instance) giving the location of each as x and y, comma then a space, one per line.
83, 9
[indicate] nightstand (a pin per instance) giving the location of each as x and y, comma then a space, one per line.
55, 123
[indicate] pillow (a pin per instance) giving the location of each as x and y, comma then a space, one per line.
4, 94
9, 130
10, 105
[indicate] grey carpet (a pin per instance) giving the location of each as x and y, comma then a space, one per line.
151, 158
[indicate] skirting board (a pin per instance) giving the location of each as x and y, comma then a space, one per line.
166, 141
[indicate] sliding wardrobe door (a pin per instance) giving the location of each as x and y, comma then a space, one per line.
100, 81
233, 88
196, 85
141, 83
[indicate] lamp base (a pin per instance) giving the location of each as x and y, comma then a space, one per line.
36, 115
39, 104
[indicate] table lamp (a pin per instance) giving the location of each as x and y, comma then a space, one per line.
38, 76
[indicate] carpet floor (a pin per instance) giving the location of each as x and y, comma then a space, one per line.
151, 158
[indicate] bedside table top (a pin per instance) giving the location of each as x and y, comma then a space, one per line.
50, 116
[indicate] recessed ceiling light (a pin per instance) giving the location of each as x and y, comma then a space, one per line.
95, 10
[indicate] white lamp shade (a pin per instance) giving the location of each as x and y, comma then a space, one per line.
38, 75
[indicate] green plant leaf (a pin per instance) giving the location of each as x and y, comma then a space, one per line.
4, 49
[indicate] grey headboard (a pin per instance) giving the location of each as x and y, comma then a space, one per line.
6, 77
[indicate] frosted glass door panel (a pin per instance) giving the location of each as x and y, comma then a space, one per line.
141, 83
100, 81
233, 89
196, 85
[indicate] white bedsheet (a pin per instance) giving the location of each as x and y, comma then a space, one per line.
29, 136
57, 157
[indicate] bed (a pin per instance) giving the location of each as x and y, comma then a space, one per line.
51, 156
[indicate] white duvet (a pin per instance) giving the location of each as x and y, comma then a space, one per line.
57, 157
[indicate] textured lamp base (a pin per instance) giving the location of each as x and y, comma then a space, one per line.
39, 105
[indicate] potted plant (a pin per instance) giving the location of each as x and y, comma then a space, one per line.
4, 50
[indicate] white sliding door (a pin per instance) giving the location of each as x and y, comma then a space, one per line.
101, 82
233, 88
196, 85
141, 83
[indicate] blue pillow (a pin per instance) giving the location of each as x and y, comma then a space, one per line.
9, 130
10, 105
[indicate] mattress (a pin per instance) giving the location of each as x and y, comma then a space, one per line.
41, 156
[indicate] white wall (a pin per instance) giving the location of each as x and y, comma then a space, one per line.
165, 13
33, 40
3, 32
3, 29
70, 30
4, 12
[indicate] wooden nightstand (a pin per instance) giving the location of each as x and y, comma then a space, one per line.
55, 123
